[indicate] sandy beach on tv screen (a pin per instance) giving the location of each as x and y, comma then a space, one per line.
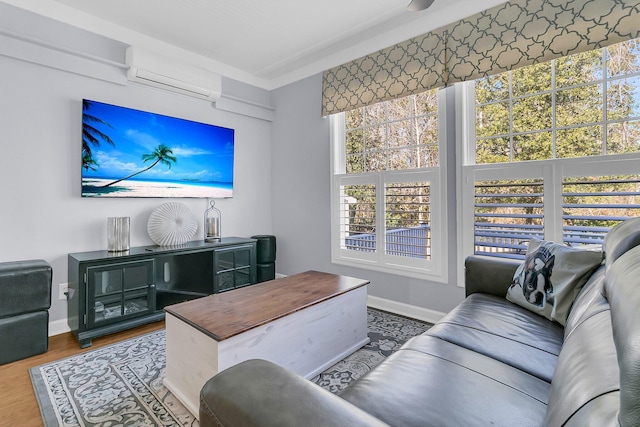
93, 188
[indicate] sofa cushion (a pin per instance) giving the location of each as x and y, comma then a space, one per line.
599, 412
620, 239
437, 383
590, 301
503, 331
550, 278
623, 293
587, 371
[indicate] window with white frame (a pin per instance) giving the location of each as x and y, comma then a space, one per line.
388, 212
551, 151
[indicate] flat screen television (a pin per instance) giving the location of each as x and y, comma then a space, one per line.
133, 153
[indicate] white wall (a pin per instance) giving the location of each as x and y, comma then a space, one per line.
301, 203
42, 214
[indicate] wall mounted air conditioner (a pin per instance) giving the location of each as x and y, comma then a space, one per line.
156, 70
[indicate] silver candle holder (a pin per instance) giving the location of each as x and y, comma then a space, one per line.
212, 223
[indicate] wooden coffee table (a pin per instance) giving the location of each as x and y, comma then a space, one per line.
305, 322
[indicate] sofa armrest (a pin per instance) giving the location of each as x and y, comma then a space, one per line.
261, 393
488, 275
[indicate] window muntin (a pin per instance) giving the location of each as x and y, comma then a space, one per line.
586, 104
387, 179
394, 135
578, 125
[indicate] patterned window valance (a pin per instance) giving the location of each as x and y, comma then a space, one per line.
409, 67
514, 34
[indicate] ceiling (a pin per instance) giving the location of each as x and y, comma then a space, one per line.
265, 43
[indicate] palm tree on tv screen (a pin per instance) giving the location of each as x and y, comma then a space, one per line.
88, 162
162, 154
91, 136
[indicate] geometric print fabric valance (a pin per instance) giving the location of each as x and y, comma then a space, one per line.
409, 67
525, 32
511, 35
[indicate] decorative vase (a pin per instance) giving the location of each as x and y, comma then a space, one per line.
118, 234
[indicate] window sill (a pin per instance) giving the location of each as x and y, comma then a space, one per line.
398, 270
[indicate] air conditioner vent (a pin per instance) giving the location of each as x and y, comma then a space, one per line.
156, 70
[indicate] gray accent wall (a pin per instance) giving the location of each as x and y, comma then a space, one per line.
301, 201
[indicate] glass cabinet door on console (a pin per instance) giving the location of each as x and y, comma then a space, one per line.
119, 291
234, 267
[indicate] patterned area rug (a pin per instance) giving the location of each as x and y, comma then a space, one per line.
387, 333
121, 384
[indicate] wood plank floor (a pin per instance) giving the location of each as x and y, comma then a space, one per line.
18, 404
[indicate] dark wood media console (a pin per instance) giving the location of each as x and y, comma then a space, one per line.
114, 291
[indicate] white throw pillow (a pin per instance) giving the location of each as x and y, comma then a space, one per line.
551, 277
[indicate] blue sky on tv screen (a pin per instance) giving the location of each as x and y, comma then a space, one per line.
204, 152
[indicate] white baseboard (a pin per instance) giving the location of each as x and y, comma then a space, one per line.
58, 327
403, 309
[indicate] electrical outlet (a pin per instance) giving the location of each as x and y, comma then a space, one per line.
62, 290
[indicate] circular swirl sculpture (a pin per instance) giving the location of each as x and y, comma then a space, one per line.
172, 223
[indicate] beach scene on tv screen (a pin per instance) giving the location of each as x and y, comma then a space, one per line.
133, 153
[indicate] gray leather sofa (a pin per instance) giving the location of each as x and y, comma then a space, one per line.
488, 362
25, 298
